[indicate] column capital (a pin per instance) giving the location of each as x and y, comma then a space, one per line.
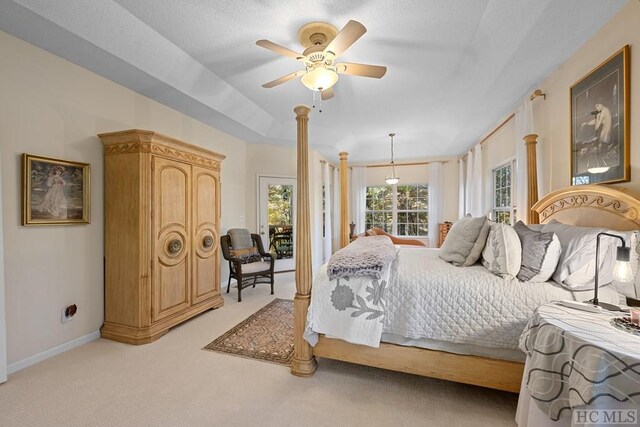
301, 110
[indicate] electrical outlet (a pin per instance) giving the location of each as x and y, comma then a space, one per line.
68, 313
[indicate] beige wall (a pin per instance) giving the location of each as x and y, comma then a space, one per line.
552, 115
265, 159
496, 151
51, 107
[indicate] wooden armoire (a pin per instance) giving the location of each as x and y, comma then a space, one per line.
162, 214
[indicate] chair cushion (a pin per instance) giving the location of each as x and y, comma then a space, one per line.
247, 255
240, 238
256, 267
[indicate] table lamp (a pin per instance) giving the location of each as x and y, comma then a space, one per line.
621, 271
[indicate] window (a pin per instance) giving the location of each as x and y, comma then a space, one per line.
379, 208
413, 215
401, 210
503, 209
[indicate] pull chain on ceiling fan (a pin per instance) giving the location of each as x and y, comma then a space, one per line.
321, 72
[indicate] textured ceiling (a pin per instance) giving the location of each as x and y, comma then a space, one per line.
454, 66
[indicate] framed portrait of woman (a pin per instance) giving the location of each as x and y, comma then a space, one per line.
600, 123
55, 191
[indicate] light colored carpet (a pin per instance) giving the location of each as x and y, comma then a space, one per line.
172, 382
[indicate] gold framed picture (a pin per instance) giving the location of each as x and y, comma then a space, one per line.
600, 123
55, 191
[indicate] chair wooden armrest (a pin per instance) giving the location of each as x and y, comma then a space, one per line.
398, 240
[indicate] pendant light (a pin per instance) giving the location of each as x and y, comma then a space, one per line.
392, 178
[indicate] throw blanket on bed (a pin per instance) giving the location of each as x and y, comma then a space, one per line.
356, 308
365, 256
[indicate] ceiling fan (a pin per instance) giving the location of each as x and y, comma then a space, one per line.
321, 72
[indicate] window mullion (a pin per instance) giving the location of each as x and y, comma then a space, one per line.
394, 210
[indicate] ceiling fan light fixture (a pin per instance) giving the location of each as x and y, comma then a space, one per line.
319, 78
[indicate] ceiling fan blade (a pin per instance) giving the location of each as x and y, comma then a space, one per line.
326, 94
283, 79
364, 70
346, 37
279, 49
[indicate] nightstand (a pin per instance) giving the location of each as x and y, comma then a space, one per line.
444, 230
576, 361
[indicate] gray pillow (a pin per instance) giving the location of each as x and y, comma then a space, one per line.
476, 251
461, 239
540, 254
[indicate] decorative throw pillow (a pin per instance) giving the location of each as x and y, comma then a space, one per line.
502, 255
576, 267
246, 255
461, 239
476, 250
540, 254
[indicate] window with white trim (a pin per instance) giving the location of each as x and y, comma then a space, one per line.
379, 208
401, 210
504, 194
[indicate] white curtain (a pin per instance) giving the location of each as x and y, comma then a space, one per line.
477, 184
469, 184
358, 196
461, 189
336, 209
524, 126
436, 197
327, 239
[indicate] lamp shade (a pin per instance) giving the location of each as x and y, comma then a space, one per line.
392, 180
622, 269
319, 79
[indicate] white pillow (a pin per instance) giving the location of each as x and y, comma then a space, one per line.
576, 268
502, 255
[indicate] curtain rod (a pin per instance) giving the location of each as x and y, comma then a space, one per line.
536, 93
330, 165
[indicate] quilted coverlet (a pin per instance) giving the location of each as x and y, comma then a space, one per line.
426, 297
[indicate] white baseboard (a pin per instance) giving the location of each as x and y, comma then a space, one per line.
32, 360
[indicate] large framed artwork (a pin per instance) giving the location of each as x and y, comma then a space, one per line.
600, 123
54, 191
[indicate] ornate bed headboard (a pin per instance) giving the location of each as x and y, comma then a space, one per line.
591, 206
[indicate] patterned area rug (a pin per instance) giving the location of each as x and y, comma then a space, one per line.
265, 335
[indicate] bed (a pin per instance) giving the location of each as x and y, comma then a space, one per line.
458, 358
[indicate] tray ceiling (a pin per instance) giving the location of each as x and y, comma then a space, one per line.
455, 67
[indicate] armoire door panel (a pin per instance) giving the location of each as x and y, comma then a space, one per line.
206, 240
171, 298
171, 228
172, 183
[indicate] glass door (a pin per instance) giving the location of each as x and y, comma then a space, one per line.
276, 219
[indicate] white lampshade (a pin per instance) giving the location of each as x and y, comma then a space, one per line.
319, 79
392, 180
622, 272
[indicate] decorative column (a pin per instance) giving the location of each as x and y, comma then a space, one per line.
344, 207
532, 177
303, 363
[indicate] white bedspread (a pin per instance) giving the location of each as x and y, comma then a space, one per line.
426, 297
